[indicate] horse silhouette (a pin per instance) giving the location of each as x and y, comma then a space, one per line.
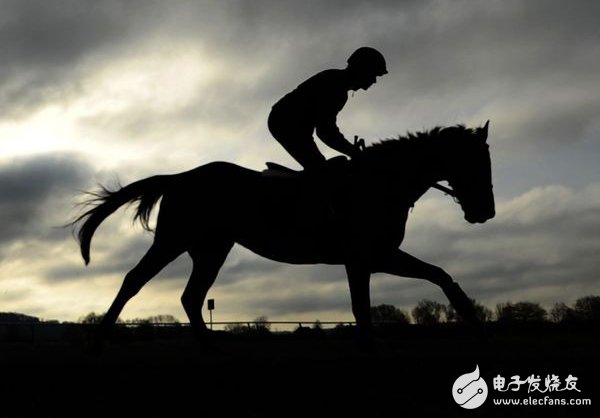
206, 210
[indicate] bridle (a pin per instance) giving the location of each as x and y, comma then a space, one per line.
446, 190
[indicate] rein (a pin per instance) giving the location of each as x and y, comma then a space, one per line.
445, 189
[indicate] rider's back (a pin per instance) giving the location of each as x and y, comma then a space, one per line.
321, 96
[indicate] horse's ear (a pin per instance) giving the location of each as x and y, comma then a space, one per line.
484, 131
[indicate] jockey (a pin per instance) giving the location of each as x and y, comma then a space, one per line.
314, 105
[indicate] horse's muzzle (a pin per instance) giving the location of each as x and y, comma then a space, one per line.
480, 218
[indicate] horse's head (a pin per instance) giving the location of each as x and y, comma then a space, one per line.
470, 172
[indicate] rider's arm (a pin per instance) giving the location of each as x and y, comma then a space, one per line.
330, 134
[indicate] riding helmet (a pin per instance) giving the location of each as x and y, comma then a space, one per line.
369, 60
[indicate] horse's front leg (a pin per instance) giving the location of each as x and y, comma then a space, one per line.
359, 277
402, 264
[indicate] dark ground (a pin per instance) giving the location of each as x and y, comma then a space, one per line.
410, 373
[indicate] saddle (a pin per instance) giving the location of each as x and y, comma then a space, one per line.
330, 186
279, 171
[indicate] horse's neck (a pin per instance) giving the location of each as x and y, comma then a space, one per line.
415, 171
418, 182
406, 182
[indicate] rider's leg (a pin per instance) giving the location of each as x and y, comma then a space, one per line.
296, 140
304, 151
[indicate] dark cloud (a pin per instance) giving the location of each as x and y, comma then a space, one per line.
43, 46
109, 256
31, 188
43, 34
305, 301
446, 61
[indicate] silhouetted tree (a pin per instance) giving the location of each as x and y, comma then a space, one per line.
156, 319
236, 328
17, 317
91, 318
261, 324
520, 312
587, 308
342, 329
560, 312
94, 318
389, 313
163, 319
139, 321
315, 331
428, 312
482, 312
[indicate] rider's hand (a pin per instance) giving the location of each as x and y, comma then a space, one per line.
359, 144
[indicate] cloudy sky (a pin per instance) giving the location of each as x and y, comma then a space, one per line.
106, 91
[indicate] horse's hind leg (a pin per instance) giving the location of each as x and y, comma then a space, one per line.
155, 259
208, 258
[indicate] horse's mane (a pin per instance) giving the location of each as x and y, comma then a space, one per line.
392, 147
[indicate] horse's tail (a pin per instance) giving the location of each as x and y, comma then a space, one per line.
146, 192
